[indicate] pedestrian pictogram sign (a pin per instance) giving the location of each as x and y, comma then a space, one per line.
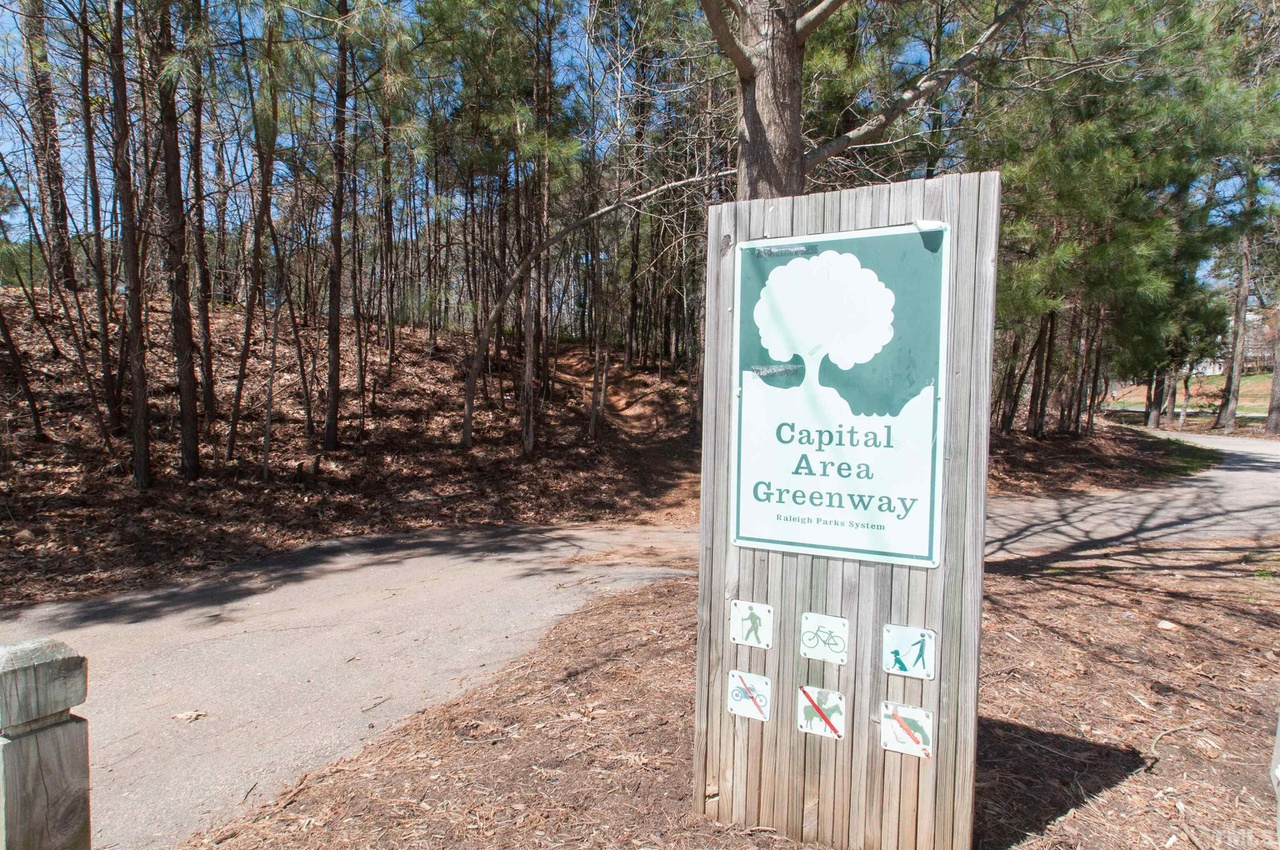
908, 651
824, 638
820, 712
751, 623
906, 729
749, 695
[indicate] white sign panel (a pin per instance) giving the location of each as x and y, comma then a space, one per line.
749, 695
839, 362
751, 623
906, 729
908, 651
820, 712
824, 638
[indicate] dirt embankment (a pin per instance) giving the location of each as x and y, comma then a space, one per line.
72, 525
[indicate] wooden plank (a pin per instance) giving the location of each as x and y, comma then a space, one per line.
710, 410
894, 687
799, 751
756, 664
959, 428
787, 627
769, 742
816, 677
742, 725
749, 223
865, 734
986, 220
940, 204
829, 747
844, 780
906, 205
913, 694
778, 222
846, 203
716, 512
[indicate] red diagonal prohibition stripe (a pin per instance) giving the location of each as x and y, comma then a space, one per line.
818, 708
750, 695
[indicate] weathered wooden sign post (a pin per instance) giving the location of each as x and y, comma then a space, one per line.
848, 359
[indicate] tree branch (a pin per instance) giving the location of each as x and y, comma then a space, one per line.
813, 18
726, 39
875, 127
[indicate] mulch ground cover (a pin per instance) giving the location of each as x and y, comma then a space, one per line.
1127, 701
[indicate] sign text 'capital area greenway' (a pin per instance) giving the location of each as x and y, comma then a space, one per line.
839, 345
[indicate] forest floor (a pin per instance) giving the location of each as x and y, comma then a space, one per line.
1125, 703
72, 525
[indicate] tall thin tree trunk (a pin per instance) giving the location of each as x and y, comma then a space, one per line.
265, 133
195, 165
129, 256
110, 388
388, 238
1273, 410
335, 260
42, 105
175, 258
1231, 395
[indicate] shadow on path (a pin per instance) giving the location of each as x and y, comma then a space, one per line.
543, 550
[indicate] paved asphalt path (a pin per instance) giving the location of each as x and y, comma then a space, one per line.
286, 665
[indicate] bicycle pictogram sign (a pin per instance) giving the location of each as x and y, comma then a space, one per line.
824, 638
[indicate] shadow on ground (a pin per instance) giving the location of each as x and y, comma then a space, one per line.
1028, 778
541, 549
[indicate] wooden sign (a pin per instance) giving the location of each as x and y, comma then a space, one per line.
847, 384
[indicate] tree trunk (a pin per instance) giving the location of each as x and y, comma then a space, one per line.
265, 133
388, 238
175, 258
1273, 410
110, 388
205, 276
42, 106
335, 237
129, 256
1231, 394
771, 160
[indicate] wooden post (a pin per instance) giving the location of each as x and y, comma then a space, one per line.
44, 749
847, 790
